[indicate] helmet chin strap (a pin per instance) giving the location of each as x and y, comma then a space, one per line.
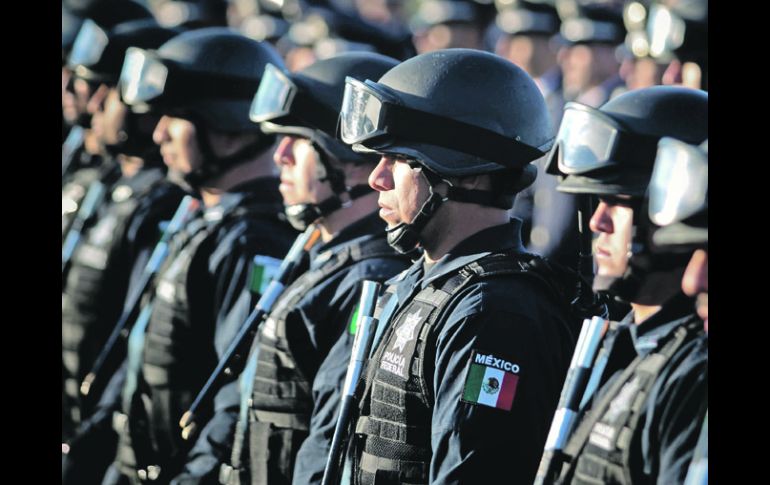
405, 237
300, 216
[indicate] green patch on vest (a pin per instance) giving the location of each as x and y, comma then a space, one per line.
353, 321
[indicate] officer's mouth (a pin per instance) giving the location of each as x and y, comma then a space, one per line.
602, 253
385, 211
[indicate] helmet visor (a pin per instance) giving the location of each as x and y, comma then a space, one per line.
360, 112
679, 184
585, 140
89, 45
589, 140
143, 76
274, 96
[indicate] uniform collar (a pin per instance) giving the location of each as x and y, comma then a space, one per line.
494, 239
674, 313
255, 191
368, 226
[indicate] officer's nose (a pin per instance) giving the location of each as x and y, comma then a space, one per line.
601, 220
160, 133
284, 155
696, 276
381, 178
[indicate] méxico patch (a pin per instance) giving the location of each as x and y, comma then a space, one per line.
491, 381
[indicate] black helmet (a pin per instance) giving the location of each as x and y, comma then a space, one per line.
611, 151
307, 103
455, 112
98, 56
207, 76
501, 122
210, 74
98, 53
618, 156
678, 196
527, 17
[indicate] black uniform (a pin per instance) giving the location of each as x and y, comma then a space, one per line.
296, 375
643, 423
167, 366
467, 376
103, 271
125, 231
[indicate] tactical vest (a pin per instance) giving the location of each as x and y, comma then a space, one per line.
177, 358
603, 440
281, 400
74, 191
98, 280
392, 441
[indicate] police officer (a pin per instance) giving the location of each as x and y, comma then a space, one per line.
477, 335
201, 82
649, 380
680, 206
638, 68
678, 34
443, 24
81, 161
303, 347
549, 218
590, 31
126, 226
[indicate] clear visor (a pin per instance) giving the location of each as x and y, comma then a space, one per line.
585, 141
88, 46
142, 77
679, 184
360, 112
274, 95
665, 30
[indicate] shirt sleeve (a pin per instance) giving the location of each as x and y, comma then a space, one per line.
497, 379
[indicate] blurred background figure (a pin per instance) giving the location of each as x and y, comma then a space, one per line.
444, 24
527, 29
70, 25
190, 14
261, 19
326, 30
638, 68
591, 30
678, 31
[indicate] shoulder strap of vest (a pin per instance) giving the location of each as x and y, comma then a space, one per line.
651, 363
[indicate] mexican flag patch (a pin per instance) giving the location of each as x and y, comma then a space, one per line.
491, 381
